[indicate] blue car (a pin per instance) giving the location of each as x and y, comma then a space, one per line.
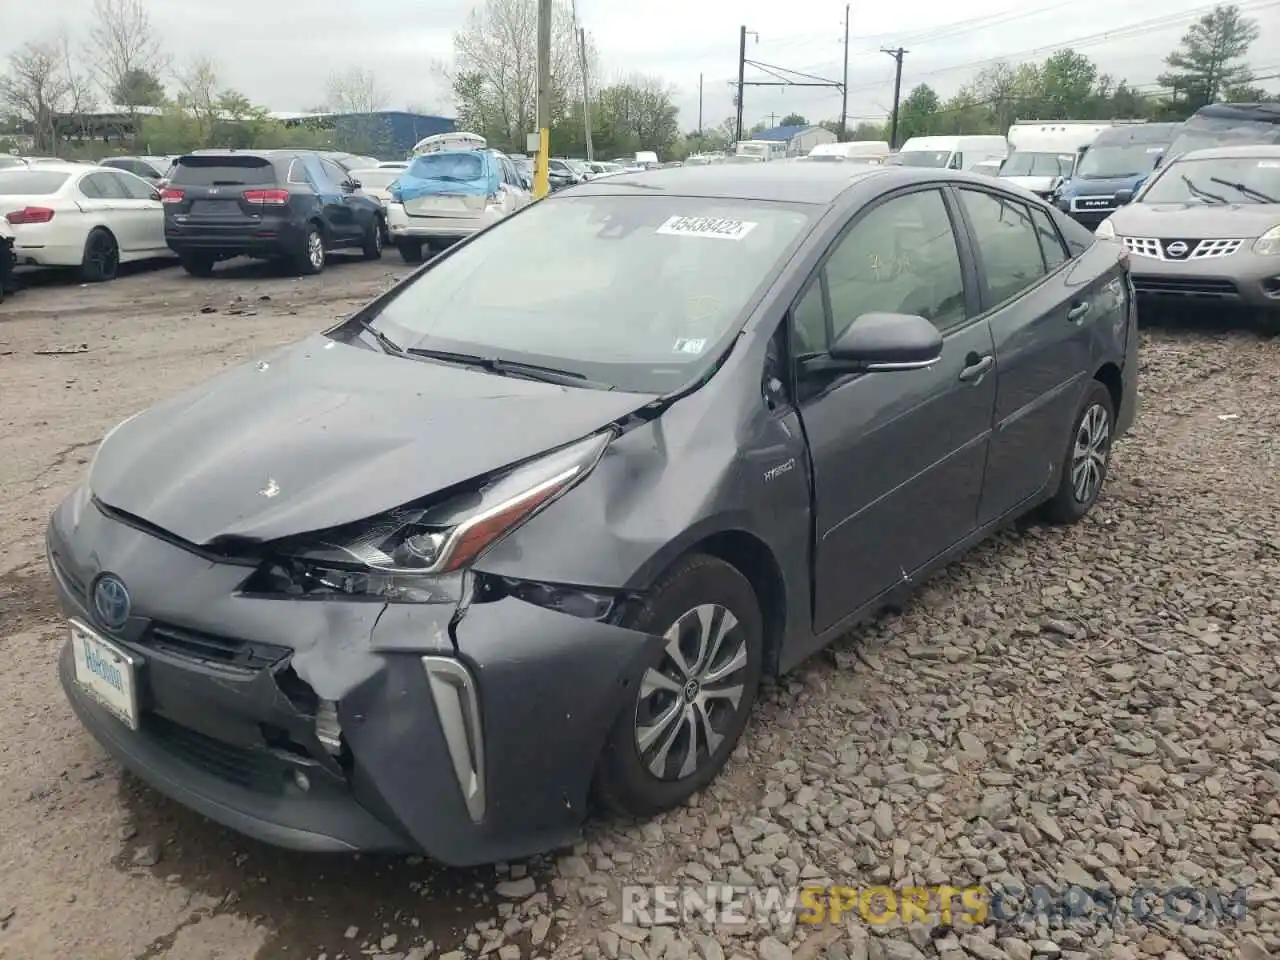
1121, 158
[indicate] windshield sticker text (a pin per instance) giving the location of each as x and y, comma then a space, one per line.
694, 346
718, 228
1155, 149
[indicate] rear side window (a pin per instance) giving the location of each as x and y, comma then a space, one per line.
1007, 241
1055, 254
223, 172
105, 186
1078, 238
31, 183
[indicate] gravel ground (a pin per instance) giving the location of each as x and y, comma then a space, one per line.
1084, 706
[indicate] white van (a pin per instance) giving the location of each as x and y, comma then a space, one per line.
860, 151
458, 140
1042, 154
953, 152
646, 158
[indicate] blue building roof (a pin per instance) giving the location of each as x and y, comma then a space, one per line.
786, 134
400, 129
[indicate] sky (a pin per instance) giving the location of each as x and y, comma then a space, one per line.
280, 52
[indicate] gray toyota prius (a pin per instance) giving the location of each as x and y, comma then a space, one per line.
528, 530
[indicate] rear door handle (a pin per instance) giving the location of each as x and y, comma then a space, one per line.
1077, 313
977, 368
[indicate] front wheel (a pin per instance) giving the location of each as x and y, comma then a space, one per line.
371, 246
693, 697
1087, 458
198, 265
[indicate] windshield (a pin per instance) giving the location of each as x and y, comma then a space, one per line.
1218, 180
447, 166
1201, 133
638, 292
1023, 164
1130, 160
924, 158
376, 179
30, 183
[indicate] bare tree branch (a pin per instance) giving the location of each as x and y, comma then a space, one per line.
356, 91
36, 88
124, 47
198, 91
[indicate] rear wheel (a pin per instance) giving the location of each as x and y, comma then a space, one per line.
410, 250
101, 261
1086, 460
198, 264
372, 245
694, 695
311, 259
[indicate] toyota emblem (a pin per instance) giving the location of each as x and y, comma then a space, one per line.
1177, 249
111, 601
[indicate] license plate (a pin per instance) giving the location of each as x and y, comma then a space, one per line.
106, 673
433, 204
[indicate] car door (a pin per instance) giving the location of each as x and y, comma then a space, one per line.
147, 210
329, 197
1042, 344
110, 201
355, 209
898, 457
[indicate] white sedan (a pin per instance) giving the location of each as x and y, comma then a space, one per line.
76, 215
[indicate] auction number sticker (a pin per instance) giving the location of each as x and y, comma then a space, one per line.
717, 228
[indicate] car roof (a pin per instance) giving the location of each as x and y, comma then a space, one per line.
812, 183
64, 167
1247, 151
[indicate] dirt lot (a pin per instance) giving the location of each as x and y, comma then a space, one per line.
1094, 705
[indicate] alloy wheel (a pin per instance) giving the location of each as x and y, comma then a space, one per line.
689, 700
315, 250
1089, 456
103, 254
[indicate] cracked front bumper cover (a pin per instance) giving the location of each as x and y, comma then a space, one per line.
229, 738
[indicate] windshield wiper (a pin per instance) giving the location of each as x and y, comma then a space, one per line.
1201, 193
511, 368
1246, 190
386, 343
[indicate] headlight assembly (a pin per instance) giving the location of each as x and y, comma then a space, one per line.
418, 553
1268, 245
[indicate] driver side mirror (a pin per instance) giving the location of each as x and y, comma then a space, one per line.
352, 185
883, 342
1123, 197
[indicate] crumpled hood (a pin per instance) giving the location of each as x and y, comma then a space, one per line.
323, 433
1199, 221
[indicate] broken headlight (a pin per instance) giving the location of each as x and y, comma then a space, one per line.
418, 553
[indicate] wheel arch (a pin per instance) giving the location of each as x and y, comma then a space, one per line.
1110, 377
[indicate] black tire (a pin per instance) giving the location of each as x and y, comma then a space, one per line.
311, 258
1096, 417
372, 243
101, 260
198, 264
410, 250
626, 783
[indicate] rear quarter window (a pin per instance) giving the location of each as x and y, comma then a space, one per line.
223, 172
1078, 238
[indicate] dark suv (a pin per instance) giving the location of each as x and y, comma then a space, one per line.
282, 205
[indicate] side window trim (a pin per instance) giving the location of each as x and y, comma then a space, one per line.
1045, 217
987, 306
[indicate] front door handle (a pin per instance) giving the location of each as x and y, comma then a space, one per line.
977, 368
1077, 313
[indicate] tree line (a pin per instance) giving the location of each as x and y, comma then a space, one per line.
493, 79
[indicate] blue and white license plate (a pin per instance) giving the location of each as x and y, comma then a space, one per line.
106, 673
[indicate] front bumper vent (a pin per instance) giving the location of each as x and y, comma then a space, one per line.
458, 705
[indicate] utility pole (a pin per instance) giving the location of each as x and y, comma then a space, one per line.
586, 96
844, 87
742, 76
699, 104
541, 181
897, 55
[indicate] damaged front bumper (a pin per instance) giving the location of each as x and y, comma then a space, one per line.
471, 738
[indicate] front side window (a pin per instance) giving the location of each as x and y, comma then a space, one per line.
901, 257
1006, 240
638, 292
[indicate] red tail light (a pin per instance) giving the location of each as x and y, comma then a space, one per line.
30, 215
273, 198
169, 195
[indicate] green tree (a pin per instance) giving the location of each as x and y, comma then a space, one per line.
138, 88
637, 114
793, 120
917, 113
869, 131
1208, 60
1068, 80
